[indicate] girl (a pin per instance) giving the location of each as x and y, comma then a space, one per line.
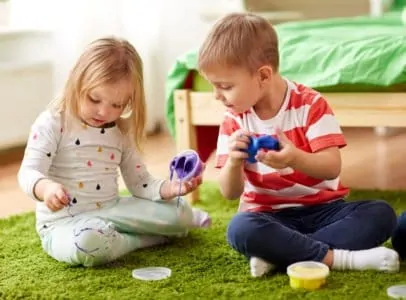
72, 158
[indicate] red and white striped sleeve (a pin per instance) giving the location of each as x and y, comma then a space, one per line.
231, 123
322, 128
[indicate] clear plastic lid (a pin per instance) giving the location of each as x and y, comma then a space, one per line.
152, 273
397, 291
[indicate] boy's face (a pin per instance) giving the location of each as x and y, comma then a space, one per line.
235, 87
105, 103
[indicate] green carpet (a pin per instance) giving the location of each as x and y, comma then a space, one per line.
203, 266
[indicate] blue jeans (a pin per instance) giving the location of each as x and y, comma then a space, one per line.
308, 232
399, 236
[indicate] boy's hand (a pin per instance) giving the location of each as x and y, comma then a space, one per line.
55, 196
279, 159
237, 145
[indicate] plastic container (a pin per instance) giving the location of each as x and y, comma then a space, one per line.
152, 273
309, 275
397, 291
186, 165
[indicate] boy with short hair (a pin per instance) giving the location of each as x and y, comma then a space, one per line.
292, 205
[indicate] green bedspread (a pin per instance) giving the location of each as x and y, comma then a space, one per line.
342, 54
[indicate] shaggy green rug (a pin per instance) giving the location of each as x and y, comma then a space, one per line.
203, 266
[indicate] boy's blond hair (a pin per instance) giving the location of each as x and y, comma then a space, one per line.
106, 61
240, 40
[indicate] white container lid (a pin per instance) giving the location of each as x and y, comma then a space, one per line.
397, 291
152, 273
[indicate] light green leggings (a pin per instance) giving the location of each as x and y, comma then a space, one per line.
101, 236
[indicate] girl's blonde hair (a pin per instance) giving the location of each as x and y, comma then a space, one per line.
105, 61
240, 40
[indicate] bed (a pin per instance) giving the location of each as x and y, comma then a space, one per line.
358, 63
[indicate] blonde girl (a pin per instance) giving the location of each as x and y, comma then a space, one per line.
74, 153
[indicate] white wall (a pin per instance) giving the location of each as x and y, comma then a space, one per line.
161, 30
182, 29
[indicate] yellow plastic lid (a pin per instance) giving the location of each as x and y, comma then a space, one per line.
308, 270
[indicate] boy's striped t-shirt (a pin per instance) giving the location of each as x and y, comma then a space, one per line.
307, 120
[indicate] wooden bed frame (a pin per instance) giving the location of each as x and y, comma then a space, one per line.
351, 109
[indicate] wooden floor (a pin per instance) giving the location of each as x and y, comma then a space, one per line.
369, 161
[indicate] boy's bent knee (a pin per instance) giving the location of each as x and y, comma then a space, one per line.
387, 216
244, 230
239, 223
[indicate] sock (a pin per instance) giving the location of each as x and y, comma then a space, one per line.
259, 267
201, 218
379, 258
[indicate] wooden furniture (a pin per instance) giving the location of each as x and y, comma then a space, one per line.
351, 109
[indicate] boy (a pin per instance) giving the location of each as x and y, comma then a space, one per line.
292, 205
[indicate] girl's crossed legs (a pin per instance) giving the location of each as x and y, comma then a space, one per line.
101, 236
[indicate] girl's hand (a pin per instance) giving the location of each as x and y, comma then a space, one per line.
279, 159
174, 188
178, 188
55, 196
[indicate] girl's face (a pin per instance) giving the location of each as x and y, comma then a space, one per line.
105, 103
